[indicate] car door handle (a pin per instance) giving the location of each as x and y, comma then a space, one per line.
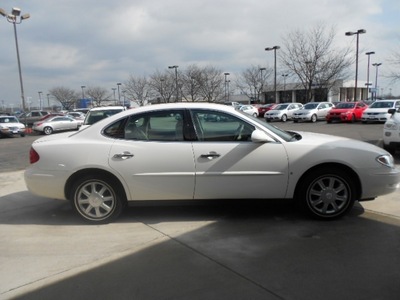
124, 155
210, 155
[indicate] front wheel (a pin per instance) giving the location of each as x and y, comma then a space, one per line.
314, 118
327, 194
284, 118
97, 199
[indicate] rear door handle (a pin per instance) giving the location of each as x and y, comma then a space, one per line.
124, 155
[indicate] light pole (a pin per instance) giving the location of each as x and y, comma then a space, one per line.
40, 100
284, 85
368, 84
376, 65
350, 33
262, 81
119, 93
270, 49
13, 18
226, 86
48, 100
176, 81
83, 91
115, 100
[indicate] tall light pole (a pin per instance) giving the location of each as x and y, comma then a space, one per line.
270, 49
40, 100
176, 81
350, 33
376, 65
262, 81
83, 91
119, 93
115, 100
368, 84
284, 85
48, 100
15, 19
226, 86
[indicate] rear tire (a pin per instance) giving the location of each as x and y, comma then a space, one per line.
97, 199
326, 194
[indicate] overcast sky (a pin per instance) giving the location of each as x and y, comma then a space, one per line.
72, 43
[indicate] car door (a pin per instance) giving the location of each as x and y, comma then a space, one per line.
230, 166
151, 154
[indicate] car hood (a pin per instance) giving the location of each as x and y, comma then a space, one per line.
275, 111
305, 111
376, 110
340, 110
13, 124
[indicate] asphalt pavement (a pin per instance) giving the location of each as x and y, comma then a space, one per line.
258, 251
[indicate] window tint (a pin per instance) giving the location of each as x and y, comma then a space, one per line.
218, 126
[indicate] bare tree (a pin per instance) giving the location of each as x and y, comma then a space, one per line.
67, 97
252, 81
98, 95
394, 62
191, 80
138, 89
162, 86
313, 57
211, 84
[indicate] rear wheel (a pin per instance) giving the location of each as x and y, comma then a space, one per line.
48, 130
97, 199
327, 194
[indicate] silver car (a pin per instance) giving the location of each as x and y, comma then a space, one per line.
312, 111
282, 112
57, 123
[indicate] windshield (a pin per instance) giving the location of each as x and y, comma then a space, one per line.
310, 106
8, 120
345, 105
281, 107
382, 104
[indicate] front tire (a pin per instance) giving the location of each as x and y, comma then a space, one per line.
314, 118
284, 118
327, 194
97, 199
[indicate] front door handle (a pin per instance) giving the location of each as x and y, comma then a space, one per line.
124, 155
210, 155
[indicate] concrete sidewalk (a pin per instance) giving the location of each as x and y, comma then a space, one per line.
46, 252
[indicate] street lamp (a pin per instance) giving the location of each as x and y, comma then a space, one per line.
270, 49
13, 18
376, 65
83, 92
350, 33
40, 100
368, 84
262, 81
176, 80
284, 85
48, 100
226, 83
119, 94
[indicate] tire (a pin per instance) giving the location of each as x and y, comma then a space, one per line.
97, 199
284, 118
329, 121
326, 194
390, 149
255, 115
353, 118
314, 118
295, 121
47, 130
22, 134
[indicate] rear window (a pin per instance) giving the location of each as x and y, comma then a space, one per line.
97, 115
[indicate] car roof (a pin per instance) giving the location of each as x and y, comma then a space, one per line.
107, 108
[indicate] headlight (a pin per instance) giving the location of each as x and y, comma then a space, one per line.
386, 160
391, 126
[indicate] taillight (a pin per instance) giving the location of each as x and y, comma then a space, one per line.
33, 156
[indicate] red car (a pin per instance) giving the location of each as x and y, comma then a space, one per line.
346, 112
262, 109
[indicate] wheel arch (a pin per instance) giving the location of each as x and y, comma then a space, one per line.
329, 166
96, 172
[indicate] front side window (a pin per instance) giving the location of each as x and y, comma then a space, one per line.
221, 127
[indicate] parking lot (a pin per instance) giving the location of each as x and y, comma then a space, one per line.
223, 250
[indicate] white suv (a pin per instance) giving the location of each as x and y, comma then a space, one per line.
391, 131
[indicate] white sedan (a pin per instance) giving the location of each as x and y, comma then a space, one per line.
249, 109
174, 152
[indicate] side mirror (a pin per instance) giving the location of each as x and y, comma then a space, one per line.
392, 111
259, 136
